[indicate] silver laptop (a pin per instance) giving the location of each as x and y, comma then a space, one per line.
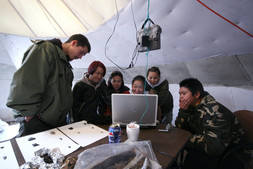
141, 108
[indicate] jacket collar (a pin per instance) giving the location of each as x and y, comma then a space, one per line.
86, 80
153, 86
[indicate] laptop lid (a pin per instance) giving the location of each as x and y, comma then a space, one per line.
141, 108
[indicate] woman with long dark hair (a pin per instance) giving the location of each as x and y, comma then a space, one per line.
116, 85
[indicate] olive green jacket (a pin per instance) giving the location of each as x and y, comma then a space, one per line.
165, 98
42, 85
212, 125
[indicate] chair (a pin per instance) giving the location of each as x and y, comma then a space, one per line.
227, 160
246, 119
167, 118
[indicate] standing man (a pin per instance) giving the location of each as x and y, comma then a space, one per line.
40, 92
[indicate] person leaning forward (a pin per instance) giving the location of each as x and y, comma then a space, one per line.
213, 126
40, 92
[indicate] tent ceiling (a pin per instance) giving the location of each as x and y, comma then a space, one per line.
210, 40
191, 30
55, 18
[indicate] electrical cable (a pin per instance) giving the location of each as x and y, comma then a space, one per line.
143, 114
112, 34
135, 52
146, 72
224, 18
133, 16
134, 57
163, 153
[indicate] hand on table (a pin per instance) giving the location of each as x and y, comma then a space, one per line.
28, 118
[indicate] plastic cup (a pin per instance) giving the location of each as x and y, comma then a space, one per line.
133, 131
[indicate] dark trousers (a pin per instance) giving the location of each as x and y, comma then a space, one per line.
34, 125
200, 160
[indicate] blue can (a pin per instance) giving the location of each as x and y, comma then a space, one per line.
114, 133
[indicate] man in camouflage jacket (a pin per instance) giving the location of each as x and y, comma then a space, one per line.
212, 125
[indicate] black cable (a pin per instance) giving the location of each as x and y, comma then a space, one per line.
133, 18
161, 152
135, 52
111, 36
134, 57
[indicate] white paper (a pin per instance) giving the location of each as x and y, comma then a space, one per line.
8, 131
49, 139
7, 156
83, 133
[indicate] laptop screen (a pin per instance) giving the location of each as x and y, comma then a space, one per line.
141, 108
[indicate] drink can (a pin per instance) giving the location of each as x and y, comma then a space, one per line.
114, 133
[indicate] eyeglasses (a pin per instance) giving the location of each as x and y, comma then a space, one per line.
83, 53
138, 86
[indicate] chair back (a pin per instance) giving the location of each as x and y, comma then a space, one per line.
227, 161
246, 119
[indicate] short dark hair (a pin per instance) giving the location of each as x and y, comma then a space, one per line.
94, 65
154, 69
140, 78
81, 41
193, 84
116, 73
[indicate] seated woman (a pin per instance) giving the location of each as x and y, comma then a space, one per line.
116, 85
87, 92
138, 85
156, 85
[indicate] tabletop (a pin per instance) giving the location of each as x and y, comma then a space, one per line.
166, 145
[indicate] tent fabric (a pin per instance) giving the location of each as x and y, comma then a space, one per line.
55, 18
192, 30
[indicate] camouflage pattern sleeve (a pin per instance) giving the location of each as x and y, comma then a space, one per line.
210, 124
181, 120
212, 129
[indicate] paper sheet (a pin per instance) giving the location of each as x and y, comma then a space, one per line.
7, 131
83, 133
7, 156
49, 139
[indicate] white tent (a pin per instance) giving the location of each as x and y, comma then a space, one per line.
57, 18
191, 30
209, 40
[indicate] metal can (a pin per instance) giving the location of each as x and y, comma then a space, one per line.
114, 133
